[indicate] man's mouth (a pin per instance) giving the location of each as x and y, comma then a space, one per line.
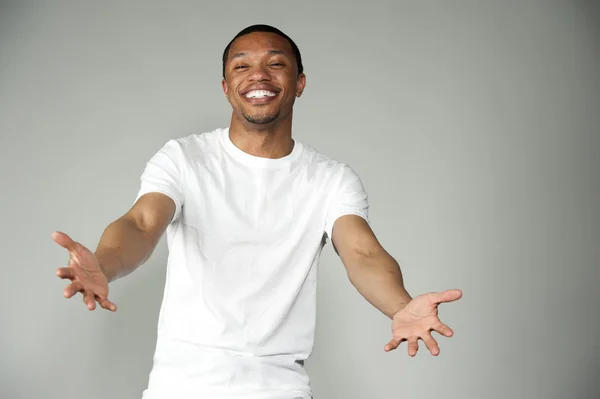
260, 94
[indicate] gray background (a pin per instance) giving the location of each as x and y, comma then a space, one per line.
474, 125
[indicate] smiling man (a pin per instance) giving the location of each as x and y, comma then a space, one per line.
247, 210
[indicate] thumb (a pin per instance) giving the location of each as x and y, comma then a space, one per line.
445, 296
63, 240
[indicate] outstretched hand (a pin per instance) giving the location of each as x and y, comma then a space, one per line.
85, 274
418, 319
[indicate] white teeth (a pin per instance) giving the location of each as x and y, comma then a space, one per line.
259, 94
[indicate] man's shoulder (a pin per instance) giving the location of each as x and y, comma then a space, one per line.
330, 169
203, 139
193, 145
320, 159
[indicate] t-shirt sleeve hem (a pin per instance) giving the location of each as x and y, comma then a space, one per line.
166, 191
331, 224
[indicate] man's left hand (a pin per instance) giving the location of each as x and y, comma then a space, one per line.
418, 319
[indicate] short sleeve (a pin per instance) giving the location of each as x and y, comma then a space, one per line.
349, 199
162, 174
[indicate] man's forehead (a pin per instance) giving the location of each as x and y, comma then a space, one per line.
260, 42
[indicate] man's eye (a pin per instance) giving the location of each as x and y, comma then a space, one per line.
240, 67
277, 64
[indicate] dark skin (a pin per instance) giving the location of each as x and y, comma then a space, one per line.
265, 61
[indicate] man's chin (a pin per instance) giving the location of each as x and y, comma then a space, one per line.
261, 119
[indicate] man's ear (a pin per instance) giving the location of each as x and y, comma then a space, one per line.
301, 84
225, 89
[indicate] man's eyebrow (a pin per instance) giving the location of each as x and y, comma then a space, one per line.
238, 55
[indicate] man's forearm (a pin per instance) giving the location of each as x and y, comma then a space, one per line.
379, 280
122, 248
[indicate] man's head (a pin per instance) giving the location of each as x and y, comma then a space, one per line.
264, 29
262, 74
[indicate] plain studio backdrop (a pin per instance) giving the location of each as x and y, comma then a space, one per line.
473, 124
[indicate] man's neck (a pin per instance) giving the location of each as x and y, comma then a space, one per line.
265, 141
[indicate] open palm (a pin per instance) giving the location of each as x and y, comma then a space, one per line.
85, 274
418, 319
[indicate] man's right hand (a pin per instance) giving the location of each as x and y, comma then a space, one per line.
85, 274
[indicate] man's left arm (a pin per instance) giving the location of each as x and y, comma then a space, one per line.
378, 278
371, 269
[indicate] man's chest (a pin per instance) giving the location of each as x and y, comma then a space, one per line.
249, 204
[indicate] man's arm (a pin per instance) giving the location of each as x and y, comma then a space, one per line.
377, 276
129, 241
371, 269
125, 244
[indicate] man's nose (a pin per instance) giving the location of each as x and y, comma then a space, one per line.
259, 73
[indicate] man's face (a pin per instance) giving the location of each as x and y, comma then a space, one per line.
261, 78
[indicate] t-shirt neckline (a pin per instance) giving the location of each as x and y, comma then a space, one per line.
253, 160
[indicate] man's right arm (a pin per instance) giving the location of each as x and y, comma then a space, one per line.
129, 241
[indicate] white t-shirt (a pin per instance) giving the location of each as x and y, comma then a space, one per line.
239, 306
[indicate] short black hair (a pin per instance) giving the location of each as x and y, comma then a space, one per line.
269, 29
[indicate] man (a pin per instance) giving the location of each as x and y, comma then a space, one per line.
247, 210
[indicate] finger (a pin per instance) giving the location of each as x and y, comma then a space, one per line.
443, 329
63, 240
413, 347
431, 344
65, 272
393, 344
72, 289
445, 296
106, 304
89, 300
